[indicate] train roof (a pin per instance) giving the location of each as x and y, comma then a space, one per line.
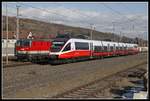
104, 42
35, 39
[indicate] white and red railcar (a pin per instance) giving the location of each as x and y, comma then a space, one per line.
32, 49
83, 48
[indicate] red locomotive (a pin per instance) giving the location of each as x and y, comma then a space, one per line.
65, 50
32, 49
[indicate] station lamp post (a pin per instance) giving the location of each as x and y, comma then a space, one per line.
7, 34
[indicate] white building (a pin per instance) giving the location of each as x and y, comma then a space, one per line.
11, 43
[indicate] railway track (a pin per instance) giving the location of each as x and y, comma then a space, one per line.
96, 89
17, 64
13, 62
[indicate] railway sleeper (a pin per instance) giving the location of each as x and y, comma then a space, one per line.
136, 74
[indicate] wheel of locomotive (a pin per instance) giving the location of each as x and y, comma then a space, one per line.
101, 57
19, 58
30, 58
114, 55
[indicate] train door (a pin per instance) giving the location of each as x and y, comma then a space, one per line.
114, 49
72, 45
91, 49
15, 51
108, 45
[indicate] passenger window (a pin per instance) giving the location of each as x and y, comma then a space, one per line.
82, 46
120, 48
67, 47
117, 48
108, 49
105, 48
114, 47
98, 49
111, 48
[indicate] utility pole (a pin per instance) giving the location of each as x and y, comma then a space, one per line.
17, 28
120, 37
113, 23
7, 34
121, 34
91, 32
91, 35
133, 29
140, 40
92, 28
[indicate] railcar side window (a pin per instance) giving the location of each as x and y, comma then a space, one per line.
120, 48
105, 48
82, 46
111, 48
67, 47
98, 49
57, 46
117, 48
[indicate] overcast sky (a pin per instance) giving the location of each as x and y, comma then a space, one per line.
128, 18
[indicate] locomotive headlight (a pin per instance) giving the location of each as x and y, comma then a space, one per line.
22, 49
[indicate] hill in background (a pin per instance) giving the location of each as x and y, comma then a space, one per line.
44, 30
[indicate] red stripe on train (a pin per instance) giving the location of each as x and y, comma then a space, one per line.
86, 53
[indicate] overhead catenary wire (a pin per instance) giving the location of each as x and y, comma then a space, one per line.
63, 20
46, 21
121, 14
31, 17
56, 13
128, 20
117, 12
75, 10
50, 12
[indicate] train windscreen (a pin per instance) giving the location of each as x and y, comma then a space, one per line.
23, 43
57, 46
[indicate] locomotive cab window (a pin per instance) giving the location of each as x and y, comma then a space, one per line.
23, 43
67, 47
57, 46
